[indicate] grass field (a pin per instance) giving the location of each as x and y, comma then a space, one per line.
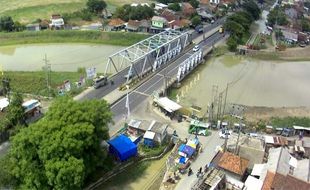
62, 36
35, 83
27, 11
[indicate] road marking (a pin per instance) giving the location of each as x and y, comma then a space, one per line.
141, 93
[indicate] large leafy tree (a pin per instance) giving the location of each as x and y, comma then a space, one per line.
6, 24
196, 20
62, 149
15, 114
127, 12
96, 6
252, 8
174, 6
277, 16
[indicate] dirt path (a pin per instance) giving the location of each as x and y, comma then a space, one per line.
254, 114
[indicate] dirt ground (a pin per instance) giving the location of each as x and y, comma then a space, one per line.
253, 114
297, 52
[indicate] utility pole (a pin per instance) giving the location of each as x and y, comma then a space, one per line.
219, 107
47, 69
213, 101
225, 99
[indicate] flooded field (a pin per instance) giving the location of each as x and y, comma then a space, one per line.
251, 82
62, 57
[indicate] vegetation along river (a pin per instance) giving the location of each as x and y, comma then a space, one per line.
62, 57
252, 82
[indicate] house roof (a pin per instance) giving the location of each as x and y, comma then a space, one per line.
149, 135
145, 23
233, 163
268, 181
253, 183
188, 9
279, 181
56, 16
159, 19
133, 24
116, 22
169, 15
205, 2
181, 23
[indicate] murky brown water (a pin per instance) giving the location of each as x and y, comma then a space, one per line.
255, 83
62, 57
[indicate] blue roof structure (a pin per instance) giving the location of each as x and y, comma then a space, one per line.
122, 147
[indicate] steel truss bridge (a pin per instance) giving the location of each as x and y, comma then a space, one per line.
149, 54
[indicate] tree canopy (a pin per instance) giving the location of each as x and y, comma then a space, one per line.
96, 6
6, 24
15, 114
174, 6
127, 12
196, 20
252, 8
277, 16
62, 149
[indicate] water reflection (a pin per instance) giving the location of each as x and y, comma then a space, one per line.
62, 57
253, 82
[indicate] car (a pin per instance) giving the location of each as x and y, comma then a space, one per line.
196, 48
225, 134
212, 21
302, 44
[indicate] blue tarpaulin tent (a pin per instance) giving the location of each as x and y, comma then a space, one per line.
122, 147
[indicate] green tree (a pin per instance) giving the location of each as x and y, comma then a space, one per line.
18, 27
15, 115
277, 16
62, 149
96, 6
252, 8
305, 25
6, 24
139, 12
232, 44
196, 20
194, 3
235, 29
174, 6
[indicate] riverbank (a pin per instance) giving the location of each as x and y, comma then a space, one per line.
290, 54
35, 82
71, 36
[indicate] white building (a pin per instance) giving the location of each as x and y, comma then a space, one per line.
215, 1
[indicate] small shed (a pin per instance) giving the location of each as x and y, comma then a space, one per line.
33, 27
149, 138
32, 108
122, 148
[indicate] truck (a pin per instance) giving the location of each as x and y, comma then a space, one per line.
100, 81
199, 29
221, 30
199, 128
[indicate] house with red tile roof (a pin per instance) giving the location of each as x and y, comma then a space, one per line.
233, 164
188, 9
115, 24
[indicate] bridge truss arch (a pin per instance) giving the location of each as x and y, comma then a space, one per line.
148, 54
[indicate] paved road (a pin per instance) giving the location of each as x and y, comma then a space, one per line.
209, 145
155, 83
119, 78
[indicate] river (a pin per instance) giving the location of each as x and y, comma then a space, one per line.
62, 57
253, 82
